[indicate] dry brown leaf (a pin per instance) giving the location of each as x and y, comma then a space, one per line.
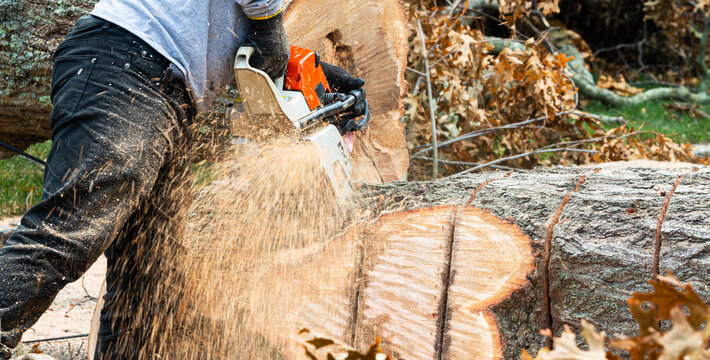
620, 87
565, 346
682, 341
322, 347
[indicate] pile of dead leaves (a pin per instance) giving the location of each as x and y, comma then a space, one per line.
670, 300
518, 90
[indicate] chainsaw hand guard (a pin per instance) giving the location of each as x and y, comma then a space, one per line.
340, 80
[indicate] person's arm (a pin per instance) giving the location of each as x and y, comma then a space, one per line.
261, 9
266, 33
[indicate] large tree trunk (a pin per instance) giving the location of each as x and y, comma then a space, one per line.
30, 31
475, 267
368, 38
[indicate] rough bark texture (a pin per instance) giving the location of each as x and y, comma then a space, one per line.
29, 33
474, 267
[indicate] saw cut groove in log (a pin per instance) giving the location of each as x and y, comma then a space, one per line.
548, 245
480, 187
490, 259
405, 262
659, 227
369, 39
595, 264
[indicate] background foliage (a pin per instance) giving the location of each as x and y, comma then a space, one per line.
516, 97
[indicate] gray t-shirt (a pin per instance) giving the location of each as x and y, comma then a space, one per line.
200, 37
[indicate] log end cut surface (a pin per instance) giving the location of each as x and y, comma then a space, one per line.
423, 280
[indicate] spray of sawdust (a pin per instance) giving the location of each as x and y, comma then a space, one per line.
268, 205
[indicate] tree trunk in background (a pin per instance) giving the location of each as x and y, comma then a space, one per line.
369, 39
29, 33
474, 267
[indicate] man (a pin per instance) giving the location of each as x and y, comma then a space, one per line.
127, 83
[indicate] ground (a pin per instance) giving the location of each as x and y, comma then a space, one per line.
70, 314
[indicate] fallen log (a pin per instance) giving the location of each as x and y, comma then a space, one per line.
27, 42
369, 39
475, 267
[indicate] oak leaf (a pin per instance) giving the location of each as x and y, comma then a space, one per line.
565, 346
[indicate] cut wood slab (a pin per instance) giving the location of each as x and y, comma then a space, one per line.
475, 267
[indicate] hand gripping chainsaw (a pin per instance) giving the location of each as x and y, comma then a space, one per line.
302, 101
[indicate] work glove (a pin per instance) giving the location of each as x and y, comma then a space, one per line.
271, 49
340, 81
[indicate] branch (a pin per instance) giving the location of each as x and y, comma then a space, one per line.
432, 112
616, 120
573, 143
484, 132
461, 163
592, 91
585, 83
499, 44
540, 151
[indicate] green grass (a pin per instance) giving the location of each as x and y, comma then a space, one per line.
21, 181
656, 117
203, 174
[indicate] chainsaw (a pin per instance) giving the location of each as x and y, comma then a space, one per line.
302, 102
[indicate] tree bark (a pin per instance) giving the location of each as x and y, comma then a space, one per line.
29, 33
367, 38
475, 267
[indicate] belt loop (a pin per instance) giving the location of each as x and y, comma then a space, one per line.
106, 25
173, 73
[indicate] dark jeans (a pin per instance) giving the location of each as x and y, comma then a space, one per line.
118, 181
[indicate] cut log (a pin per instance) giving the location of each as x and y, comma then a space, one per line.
368, 38
475, 267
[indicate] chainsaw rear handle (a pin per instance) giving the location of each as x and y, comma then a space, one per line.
344, 102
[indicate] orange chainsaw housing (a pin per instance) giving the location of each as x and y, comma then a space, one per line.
305, 74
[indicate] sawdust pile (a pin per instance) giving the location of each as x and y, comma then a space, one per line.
268, 204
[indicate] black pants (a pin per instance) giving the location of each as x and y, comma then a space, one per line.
118, 181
